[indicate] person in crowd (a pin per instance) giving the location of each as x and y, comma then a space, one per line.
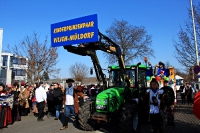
85, 90
71, 102
92, 91
182, 86
98, 89
168, 97
188, 93
62, 88
46, 87
50, 102
58, 99
2, 90
34, 102
30, 89
41, 99
23, 97
8, 88
15, 110
154, 111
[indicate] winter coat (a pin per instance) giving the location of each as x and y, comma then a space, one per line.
50, 96
57, 96
168, 95
23, 97
76, 100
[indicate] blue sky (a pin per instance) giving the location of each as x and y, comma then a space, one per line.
161, 18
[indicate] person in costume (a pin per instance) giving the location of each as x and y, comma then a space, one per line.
154, 110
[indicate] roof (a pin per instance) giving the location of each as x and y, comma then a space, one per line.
178, 77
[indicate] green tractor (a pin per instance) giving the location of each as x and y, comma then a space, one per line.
124, 87
117, 102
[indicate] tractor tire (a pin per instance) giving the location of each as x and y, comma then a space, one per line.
128, 119
84, 116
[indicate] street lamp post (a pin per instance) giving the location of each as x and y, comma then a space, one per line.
195, 39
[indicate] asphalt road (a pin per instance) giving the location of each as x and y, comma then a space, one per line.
185, 121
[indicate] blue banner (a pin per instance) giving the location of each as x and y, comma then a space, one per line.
75, 31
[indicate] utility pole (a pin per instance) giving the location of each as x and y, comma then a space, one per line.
195, 37
1, 42
195, 40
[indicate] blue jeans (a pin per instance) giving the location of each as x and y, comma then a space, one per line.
58, 107
68, 109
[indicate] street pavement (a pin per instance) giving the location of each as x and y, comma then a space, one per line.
185, 121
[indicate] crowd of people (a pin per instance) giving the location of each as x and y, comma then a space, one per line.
33, 98
186, 92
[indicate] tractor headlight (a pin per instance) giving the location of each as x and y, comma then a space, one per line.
105, 101
98, 101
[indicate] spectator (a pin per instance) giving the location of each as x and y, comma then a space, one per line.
2, 90
98, 89
15, 110
34, 102
50, 100
188, 93
92, 91
169, 97
41, 98
23, 97
46, 87
58, 99
182, 93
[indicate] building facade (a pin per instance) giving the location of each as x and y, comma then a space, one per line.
13, 68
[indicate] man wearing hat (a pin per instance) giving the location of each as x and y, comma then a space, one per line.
168, 101
71, 102
154, 111
41, 99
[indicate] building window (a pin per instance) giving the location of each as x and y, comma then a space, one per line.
11, 61
15, 60
23, 61
19, 72
5, 58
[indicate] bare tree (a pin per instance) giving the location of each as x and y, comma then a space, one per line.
41, 57
167, 64
185, 46
133, 40
79, 71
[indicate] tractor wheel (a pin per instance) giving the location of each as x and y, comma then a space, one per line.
128, 119
84, 116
